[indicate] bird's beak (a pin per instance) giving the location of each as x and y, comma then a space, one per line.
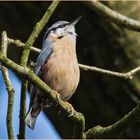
74, 22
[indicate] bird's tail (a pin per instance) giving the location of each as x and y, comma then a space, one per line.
31, 118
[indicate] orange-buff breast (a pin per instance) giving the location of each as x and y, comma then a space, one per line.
61, 70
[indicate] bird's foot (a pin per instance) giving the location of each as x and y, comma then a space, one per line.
58, 98
32, 65
72, 111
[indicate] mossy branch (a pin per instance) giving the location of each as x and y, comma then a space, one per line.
36, 31
122, 75
95, 132
24, 60
10, 90
52, 95
98, 131
117, 128
113, 16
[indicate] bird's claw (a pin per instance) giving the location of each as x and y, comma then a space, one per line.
58, 98
32, 65
72, 111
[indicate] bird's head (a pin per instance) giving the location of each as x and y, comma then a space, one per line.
61, 29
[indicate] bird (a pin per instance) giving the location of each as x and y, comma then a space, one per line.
57, 66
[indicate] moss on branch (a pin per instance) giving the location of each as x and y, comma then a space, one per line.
10, 90
113, 16
37, 29
117, 128
52, 95
24, 60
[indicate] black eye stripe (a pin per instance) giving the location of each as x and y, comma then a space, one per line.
53, 29
60, 26
60, 37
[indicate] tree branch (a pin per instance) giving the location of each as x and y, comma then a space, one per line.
117, 128
21, 44
98, 131
113, 16
52, 95
36, 31
126, 75
95, 132
10, 90
24, 60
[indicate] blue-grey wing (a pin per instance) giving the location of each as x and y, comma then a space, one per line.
44, 54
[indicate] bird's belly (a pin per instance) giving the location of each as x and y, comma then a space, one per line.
62, 75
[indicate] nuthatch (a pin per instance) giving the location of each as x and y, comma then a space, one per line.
57, 66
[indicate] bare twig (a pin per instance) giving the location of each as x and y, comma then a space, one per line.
21, 44
113, 16
4, 44
36, 31
77, 117
126, 75
24, 60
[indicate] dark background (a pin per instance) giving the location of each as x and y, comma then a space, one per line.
102, 99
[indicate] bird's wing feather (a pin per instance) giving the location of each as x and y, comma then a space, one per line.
44, 54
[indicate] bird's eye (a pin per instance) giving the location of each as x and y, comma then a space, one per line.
59, 37
71, 33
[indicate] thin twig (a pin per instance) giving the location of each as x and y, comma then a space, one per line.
52, 95
113, 16
21, 44
126, 75
10, 90
24, 60
36, 31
